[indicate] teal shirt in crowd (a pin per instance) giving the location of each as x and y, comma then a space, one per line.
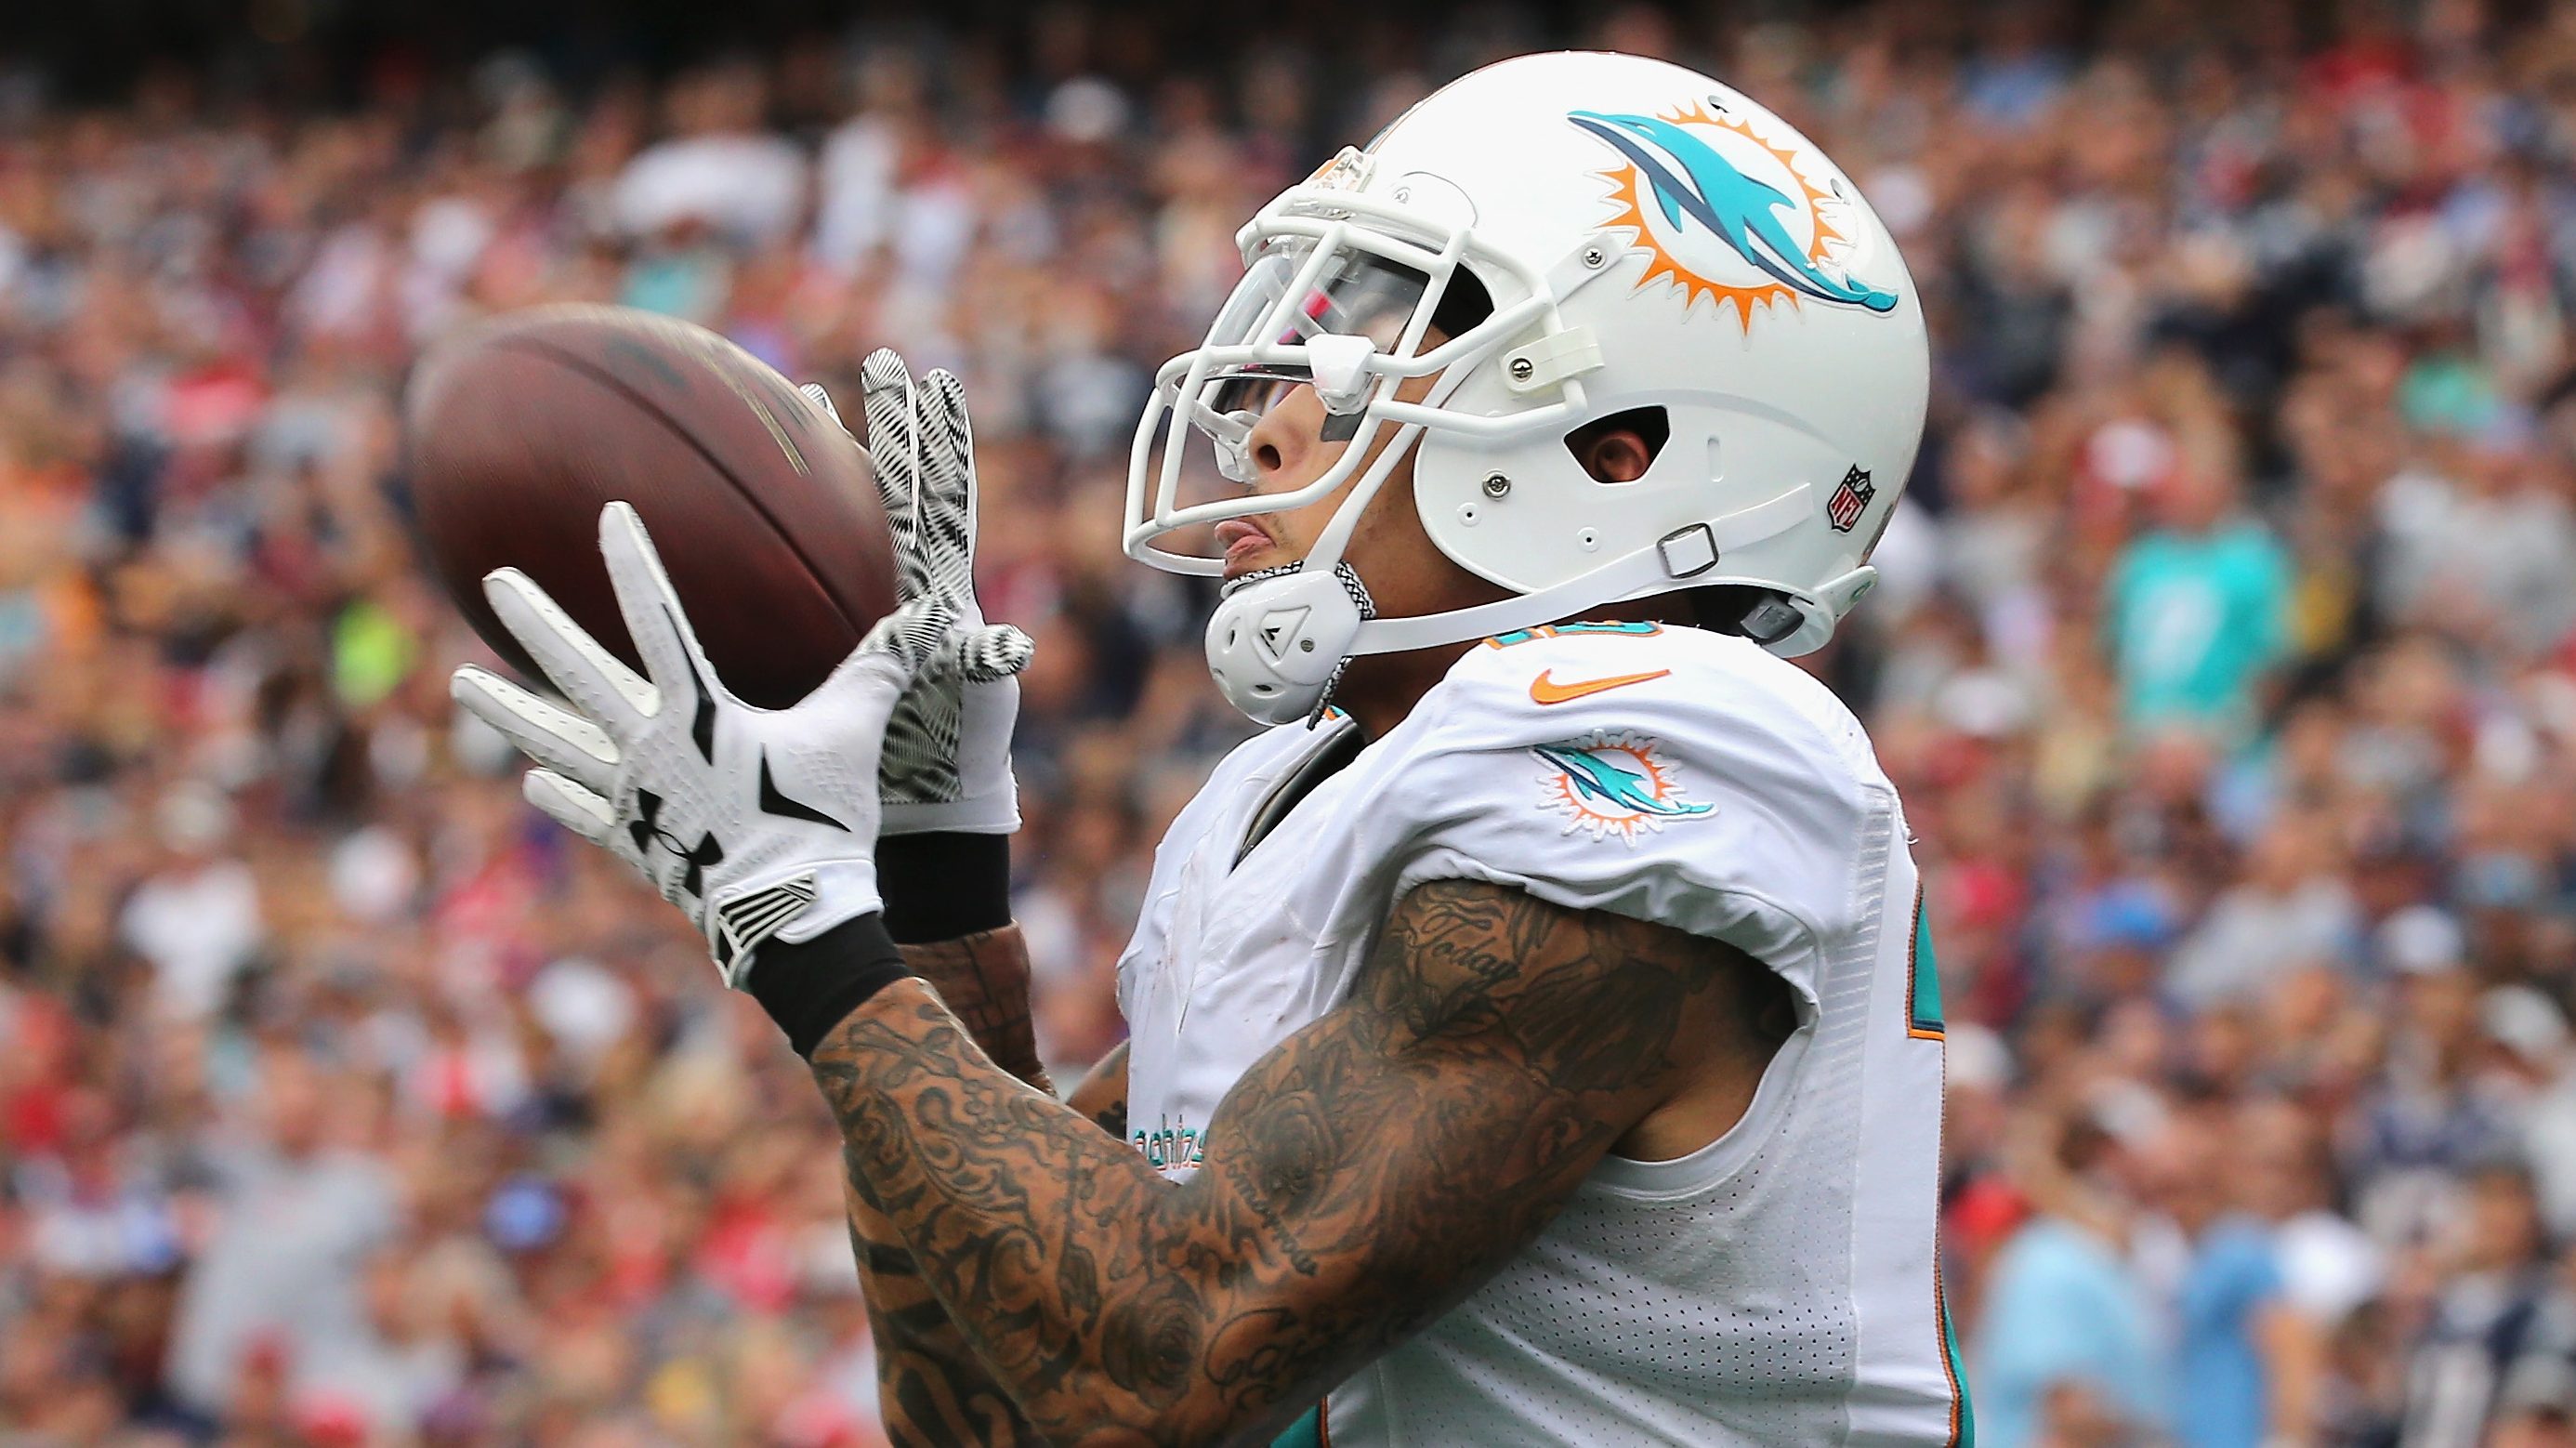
2194, 621
2221, 1394
2062, 1307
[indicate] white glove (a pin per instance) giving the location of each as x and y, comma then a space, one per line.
947, 762
759, 824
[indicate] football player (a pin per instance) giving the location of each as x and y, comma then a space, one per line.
1534, 1036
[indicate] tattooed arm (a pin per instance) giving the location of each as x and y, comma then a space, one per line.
1101, 1099
930, 1387
1360, 1179
984, 981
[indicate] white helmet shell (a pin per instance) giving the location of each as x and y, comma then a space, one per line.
1649, 239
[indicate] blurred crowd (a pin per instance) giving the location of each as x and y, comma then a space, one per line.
2227, 658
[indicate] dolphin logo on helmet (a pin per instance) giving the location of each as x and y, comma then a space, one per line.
1691, 181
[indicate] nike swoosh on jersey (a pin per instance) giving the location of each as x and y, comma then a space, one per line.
1546, 690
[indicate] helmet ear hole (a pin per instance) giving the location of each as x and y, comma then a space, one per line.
1620, 447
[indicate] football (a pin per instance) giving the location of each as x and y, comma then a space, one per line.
764, 509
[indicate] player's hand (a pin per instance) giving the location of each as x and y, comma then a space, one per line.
758, 823
947, 763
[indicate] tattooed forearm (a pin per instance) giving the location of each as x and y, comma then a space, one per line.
931, 1388
931, 1391
1359, 1180
984, 978
1102, 1096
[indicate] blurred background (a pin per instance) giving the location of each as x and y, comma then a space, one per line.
2226, 656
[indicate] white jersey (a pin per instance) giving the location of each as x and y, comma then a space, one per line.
1775, 1287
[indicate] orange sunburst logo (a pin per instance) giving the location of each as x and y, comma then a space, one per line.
1699, 264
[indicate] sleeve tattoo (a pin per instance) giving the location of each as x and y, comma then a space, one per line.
931, 1389
984, 980
1102, 1096
1361, 1178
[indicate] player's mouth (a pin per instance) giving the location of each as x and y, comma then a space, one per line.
1243, 538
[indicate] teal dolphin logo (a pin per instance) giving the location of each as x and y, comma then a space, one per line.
1694, 186
1613, 784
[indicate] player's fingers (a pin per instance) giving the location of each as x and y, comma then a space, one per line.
952, 437
554, 737
894, 441
575, 808
948, 487
913, 634
814, 393
650, 606
994, 651
591, 677
871, 681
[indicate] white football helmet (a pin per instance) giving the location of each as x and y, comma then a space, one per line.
1600, 234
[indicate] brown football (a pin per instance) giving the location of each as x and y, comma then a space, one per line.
764, 510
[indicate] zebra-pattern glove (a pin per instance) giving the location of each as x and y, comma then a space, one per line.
947, 762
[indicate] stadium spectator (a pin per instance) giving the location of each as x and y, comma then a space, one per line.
2227, 659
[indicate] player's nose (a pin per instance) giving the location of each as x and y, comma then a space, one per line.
1284, 447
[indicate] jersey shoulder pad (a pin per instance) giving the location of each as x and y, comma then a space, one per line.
1671, 774
1703, 694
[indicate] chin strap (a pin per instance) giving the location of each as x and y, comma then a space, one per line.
1367, 606
1682, 558
1281, 637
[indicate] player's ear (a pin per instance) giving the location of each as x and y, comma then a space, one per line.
1617, 457
1620, 447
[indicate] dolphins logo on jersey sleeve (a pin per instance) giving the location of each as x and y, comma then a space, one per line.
1613, 784
1726, 213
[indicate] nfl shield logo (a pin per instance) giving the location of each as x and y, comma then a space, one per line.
1850, 500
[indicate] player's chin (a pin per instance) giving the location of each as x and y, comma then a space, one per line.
1244, 564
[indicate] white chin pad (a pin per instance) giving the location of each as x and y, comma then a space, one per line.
1273, 644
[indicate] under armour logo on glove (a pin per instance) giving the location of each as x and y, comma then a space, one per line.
694, 859
659, 768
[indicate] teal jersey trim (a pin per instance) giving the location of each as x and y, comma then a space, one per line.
1922, 978
1306, 1432
1963, 1432
1561, 630
1923, 1021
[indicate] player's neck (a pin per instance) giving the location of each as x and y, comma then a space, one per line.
1378, 690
